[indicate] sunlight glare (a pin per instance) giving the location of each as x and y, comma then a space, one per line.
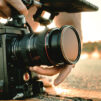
95, 55
84, 56
61, 91
40, 28
3, 20
91, 24
46, 15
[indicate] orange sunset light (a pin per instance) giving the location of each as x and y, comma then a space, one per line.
91, 24
95, 54
84, 56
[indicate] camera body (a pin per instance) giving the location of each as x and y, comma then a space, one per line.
20, 49
15, 78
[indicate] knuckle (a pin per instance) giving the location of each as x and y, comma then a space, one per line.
1, 6
23, 11
2, 3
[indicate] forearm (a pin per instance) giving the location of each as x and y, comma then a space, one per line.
73, 19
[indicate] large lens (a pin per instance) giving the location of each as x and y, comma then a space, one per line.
70, 44
63, 45
56, 46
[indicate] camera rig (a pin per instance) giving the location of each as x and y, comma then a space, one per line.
20, 47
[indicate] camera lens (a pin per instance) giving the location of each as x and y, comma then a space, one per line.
53, 47
63, 45
70, 44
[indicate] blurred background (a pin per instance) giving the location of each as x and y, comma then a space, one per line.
91, 24
85, 78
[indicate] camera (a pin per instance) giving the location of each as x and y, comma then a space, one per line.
21, 48
24, 49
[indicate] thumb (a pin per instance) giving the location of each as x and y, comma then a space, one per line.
19, 6
63, 74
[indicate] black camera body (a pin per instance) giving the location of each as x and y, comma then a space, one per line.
21, 48
15, 78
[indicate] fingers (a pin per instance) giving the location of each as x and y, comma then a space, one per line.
45, 71
19, 6
3, 15
63, 74
34, 25
46, 82
73, 65
4, 9
52, 71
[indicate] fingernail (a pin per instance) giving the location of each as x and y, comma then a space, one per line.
30, 68
25, 13
56, 83
35, 68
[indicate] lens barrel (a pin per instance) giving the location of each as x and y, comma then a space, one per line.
53, 47
63, 45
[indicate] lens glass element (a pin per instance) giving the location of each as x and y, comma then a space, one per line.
69, 44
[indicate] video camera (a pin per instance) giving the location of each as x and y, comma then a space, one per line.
21, 48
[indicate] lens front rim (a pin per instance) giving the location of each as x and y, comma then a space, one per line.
48, 47
79, 44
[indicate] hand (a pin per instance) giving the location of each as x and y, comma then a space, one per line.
63, 72
5, 10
